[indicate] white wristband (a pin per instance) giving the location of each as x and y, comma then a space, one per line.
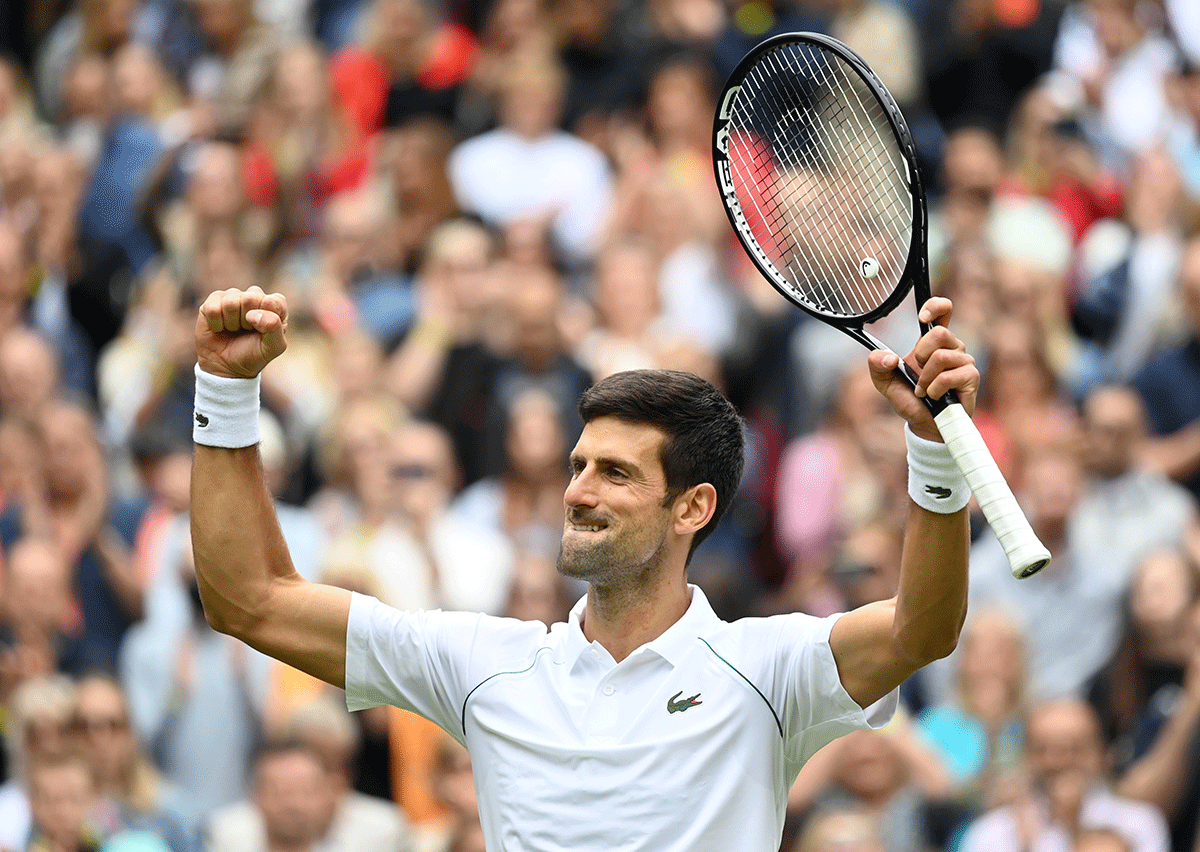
226, 411
934, 480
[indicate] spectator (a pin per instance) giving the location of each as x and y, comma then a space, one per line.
524, 503
36, 636
1128, 508
424, 555
318, 729
1100, 840
122, 776
228, 65
1170, 386
62, 799
526, 167
445, 368
409, 63
891, 774
1064, 751
1165, 771
979, 731
92, 529
293, 800
1152, 657
28, 373
195, 697
37, 726
1072, 610
414, 178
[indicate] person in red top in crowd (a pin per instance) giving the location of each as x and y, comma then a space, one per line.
408, 63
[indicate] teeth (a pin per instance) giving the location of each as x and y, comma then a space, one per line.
587, 528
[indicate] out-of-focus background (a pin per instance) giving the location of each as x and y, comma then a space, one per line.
476, 209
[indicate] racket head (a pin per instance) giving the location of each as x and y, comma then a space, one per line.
818, 175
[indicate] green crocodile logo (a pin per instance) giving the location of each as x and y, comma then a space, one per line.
674, 706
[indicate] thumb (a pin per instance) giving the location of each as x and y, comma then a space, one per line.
883, 370
272, 328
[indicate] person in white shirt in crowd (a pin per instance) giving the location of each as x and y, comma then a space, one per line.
528, 167
1067, 791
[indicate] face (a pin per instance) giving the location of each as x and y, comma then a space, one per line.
102, 724
60, 797
1112, 425
616, 527
1161, 593
38, 587
868, 764
1062, 737
292, 792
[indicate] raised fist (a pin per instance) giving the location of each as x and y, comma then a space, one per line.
239, 332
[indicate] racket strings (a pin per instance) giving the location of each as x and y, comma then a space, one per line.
819, 177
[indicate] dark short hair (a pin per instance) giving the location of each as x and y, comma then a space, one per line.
704, 433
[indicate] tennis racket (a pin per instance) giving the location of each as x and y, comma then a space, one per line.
818, 174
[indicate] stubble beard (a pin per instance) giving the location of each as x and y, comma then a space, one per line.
607, 563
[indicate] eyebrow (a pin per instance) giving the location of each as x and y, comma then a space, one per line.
609, 461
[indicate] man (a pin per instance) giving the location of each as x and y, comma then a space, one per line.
1064, 754
645, 723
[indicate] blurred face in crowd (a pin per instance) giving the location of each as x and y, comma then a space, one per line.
86, 88
57, 183
869, 567
1101, 840
1063, 737
534, 301
1113, 426
101, 720
679, 101
295, 795
70, 447
453, 783
531, 98
992, 668
215, 189
222, 21
869, 767
352, 224
626, 288
1160, 595
61, 797
1015, 370
300, 82
28, 372
1051, 491
535, 444
421, 467
38, 586
536, 591
137, 79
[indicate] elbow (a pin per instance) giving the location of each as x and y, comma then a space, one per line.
927, 647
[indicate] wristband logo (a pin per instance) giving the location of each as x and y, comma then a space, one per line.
938, 492
201, 420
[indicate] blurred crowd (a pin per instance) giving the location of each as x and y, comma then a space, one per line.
476, 208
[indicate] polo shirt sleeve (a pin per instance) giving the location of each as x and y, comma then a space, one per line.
427, 661
814, 706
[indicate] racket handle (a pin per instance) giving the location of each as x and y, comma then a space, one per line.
1026, 555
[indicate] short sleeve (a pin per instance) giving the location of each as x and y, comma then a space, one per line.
814, 707
427, 661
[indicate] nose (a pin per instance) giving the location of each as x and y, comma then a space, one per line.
579, 490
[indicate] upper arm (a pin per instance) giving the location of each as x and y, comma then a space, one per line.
304, 625
869, 660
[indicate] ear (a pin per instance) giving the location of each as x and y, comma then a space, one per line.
694, 508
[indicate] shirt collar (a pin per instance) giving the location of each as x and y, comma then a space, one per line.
671, 645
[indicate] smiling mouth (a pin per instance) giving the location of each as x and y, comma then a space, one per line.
586, 527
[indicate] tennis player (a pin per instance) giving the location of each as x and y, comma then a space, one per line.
645, 722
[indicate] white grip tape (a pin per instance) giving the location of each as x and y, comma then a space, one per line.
1026, 555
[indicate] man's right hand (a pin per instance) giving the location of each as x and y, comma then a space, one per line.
239, 332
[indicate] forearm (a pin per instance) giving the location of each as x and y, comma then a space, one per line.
248, 585
1159, 776
931, 603
1178, 454
238, 547
120, 571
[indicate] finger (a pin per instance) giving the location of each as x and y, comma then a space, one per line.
251, 300
277, 304
210, 313
937, 338
231, 310
964, 381
271, 326
937, 310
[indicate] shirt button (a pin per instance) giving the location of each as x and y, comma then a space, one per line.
609, 689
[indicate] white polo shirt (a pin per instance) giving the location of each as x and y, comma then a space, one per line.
690, 743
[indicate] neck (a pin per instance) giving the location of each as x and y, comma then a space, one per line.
624, 617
